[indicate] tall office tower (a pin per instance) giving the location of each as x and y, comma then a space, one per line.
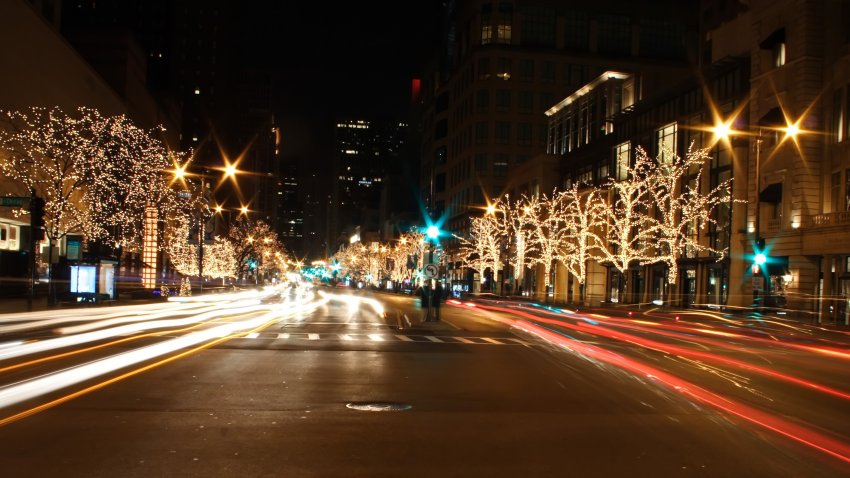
366, 152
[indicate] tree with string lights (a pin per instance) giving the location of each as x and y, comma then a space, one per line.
584, 217
543, 220
94, 173
680, 209
628, 233
482, 249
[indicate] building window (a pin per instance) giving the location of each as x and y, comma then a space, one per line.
847, 189
836, 191
602, 171
482, 102
523, 134
576, 30
548, 71
585, 175
481, 163
503, 132
503, 100
486, 34
665, 143
615, 35
481, 132
538, 26
503, 33
526, 70
500, 165
779, 54
483, 68
622, 156
838, 115
526, 102
504, 70
9, 235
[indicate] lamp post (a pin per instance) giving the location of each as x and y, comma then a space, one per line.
722, 131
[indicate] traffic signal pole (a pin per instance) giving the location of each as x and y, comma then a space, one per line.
36, 225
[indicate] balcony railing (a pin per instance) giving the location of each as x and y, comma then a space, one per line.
829, 219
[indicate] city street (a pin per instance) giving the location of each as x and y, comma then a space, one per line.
335, 382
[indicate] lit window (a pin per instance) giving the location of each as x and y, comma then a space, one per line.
622, 153
503, 33
486, 34
197, 91
779, 54
665, 143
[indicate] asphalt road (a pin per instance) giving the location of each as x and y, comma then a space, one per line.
488, 391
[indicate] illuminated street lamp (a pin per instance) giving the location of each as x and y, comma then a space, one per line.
722, 131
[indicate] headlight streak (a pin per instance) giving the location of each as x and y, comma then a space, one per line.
132, 338
791, 430
28, 322
67, 341
196, 341
100, 324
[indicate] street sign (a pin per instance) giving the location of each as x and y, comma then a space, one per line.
13, 201
430, 271
758, 283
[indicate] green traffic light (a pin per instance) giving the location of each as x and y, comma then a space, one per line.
432, 232
760, 259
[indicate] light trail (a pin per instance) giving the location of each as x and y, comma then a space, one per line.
798, 433
29, 348
32, 388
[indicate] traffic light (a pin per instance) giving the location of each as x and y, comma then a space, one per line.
37, 217
759, 257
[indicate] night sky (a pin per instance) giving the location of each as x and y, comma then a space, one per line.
347, 58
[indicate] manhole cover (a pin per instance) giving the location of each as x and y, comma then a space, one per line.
379, 406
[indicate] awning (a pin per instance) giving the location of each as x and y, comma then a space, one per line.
774, 117
777, 266
773, 39
772, 193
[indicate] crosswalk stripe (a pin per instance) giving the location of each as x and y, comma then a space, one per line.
399, 337
463, 340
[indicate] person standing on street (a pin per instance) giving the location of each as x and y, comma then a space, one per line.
436, 298
425, 301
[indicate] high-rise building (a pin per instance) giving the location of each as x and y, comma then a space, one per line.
503, 65
366, 153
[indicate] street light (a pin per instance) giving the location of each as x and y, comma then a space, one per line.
722, 131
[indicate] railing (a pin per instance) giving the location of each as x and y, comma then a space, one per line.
829, 219
774, 225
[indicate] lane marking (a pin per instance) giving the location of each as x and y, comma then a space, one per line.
283, 336
313, 336
433, 339
404, 338
345, 337
376, 337
492, 341
252, 335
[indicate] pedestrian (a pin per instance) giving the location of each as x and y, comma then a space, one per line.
425, 301
436, 298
